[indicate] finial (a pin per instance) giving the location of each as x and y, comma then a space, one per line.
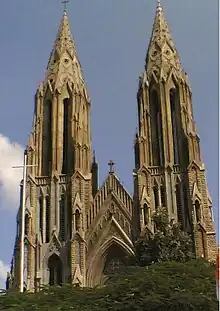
111, 165
65, 5
159, 6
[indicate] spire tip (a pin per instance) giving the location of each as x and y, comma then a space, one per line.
159, 6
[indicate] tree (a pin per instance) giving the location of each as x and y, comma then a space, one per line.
168, 242
166, 286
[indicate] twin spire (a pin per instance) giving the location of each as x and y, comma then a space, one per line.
64, 65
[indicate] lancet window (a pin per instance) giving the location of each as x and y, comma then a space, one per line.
156, 129
175, 124
47, 138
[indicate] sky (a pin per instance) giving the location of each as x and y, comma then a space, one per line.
111, 38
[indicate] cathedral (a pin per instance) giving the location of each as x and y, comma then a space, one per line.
77, 231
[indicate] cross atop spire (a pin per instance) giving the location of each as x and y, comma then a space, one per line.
158, 4
65, 4
111, 165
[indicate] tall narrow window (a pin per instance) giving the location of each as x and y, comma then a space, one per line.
55, 270
175, 122
47, 138
162, 195
62, 217
77, 219
156, 129
47, 219
156, 203
26, 228
146, 214
179, 205
87, 221
41, 215
65, 135
198, 211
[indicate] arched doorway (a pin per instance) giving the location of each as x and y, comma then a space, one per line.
55, 268
115, 263
110, 259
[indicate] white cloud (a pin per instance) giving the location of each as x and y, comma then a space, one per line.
3, 273
10, 154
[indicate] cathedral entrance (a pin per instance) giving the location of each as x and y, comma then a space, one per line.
110, 259
115, 263
55, 268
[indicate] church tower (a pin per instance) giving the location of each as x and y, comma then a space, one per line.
59, 188
75, 231
169, 171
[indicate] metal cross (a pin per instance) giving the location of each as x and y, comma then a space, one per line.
24, 166
111, 165
65, 3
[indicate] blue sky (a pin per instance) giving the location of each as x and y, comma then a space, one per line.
111, 38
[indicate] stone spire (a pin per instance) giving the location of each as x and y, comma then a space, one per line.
162, 54
63, 66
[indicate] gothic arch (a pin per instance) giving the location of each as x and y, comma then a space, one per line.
97, 264
55, 270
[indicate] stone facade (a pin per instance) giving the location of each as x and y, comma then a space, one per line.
78, 232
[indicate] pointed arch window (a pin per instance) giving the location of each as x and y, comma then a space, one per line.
87, 221
65, 134
47, 219
156, 129
77, 220
162, 196
62, 217
55, 268
155, 192
47, 138
146, 214
198, 211
174, 106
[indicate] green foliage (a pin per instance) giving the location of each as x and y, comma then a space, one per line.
166, 286
169, 242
